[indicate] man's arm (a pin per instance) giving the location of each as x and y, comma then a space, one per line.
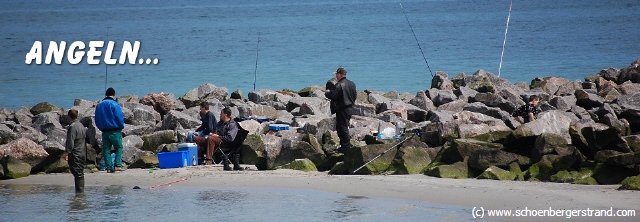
531, 116
333, 94
71, 137
230, 135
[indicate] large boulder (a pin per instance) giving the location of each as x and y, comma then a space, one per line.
203, 93
14, 168
630, 73
300, 164
137, 130
440, 97
441, 81
53, 148
413, 159
630, 105
46, 122
28, 132
551, 85
252, 151
545, 144
262, 95
422, 101
630, 183
153, 141
362, 109
554, 122
25, 150
272, 149
493, 100
300, 150
464, 148
6, 134
317, 105
590, 137
162, 102
132, 149
588, 100
43, 107
497, 173
257, 110
359, 155
147, 159
142, 114
481, 159
175, 118
457, 170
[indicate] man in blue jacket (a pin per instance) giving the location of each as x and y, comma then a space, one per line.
110, 120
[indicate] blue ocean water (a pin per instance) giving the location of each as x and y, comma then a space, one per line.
118, 203
303, 42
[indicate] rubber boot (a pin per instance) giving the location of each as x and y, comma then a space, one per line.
226, 162
79, 182
235, 159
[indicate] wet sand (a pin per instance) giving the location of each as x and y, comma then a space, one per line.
488, 194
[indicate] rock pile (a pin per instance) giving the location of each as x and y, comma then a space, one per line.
587, 133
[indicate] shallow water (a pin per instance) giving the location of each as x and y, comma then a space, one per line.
118, 203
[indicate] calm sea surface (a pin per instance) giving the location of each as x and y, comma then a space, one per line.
303, 41
118, 203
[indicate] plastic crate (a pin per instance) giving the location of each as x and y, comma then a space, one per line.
278, 127
172, 159
192, 153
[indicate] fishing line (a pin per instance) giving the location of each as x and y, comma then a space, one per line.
414, 36
255, 71
505, 38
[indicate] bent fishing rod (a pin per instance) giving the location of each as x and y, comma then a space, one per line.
415, 132
415, 37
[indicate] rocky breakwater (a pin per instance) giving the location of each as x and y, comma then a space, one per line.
587, 133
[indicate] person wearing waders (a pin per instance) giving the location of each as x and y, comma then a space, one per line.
110, 120
76, 149
342, 97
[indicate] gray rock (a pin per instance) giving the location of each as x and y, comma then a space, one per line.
392, 95
628, 88
252, 126
497, 113
237, 95
284, 117
440, 116
203, 93
442, 96
43, 107
454, 106
173, 118
422, 101
555, 122
590, 137
546, 143
377, 99
580, 112
28, 132
45, 122
441, 81
25, 150
6, 134
14, 168
272, 149
132, 149
23, 118
465, 93
569, 89
630, 105
588, 100
138, 130
367, 110
630, 73
283, 98
153, 141
257, 110
563, 103
141, 114
610, 74
262, 95
484, 158
493, 100
53, 148
551, 85
313, 103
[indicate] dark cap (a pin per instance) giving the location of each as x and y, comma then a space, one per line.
110, 92
341, 71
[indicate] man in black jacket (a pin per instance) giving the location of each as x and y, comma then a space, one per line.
202, 133
342, 97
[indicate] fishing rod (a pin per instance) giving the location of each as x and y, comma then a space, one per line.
415, 132
255, 72
414, 36
505, 37
106, 66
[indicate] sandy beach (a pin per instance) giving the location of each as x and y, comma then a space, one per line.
468, 193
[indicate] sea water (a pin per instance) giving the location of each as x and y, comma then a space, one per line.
119, 203
298, 43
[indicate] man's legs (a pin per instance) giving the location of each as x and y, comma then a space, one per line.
106, 151
342, 128
116, 139
202, 144
191, 135
212, 144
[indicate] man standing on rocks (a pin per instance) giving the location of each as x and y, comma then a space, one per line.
110, 120
76, 149
342, 97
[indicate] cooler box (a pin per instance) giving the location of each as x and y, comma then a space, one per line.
172, 159
192, 152
278, 127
